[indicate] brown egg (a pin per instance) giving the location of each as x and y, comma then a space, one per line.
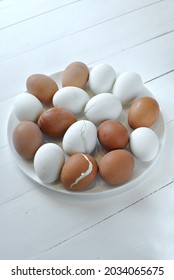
43, 87
55, 121
143, 112
79, 172
116, 167
27, 138
76, 74
113, 135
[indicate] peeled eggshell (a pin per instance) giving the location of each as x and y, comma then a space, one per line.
27, 138
144, 144
113, 135
79, 172
71, 98
102, 78
76, 74
143, 112
81, 137
42, 86
127, 86
55, 121
116, 167
27, 107
102, 107
48, 162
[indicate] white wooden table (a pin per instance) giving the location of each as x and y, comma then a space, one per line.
44, 37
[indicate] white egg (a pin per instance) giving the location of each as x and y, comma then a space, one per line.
127, 86
81, 137
71, 98
27, 107
103, 106
102, 78
48, 162
144, 144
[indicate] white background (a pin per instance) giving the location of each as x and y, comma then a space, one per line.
44, 37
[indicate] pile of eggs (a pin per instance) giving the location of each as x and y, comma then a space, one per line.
85, 124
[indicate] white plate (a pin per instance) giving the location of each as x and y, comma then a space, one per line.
99, 187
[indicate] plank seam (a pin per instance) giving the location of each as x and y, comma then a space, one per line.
105, 21
109, 217
43, 13
159, 76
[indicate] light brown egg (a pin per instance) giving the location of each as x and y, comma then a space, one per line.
116, 167
43, 87
27, 138
144, 112
75, 74
113, 135
55, 121
79, 172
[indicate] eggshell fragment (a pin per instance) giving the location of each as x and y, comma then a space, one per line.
102, 78
81, 137
127, 86
71, 98
42, 86
102, 107
116, 167
48, 162
55, 121
143, 112
27, 138
79, 172
144, 144
27, 107
76, 74
113, 135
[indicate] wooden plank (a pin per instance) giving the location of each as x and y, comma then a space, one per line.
16, 11
9, 171
127, 235
5, 110
30, 35
9, 12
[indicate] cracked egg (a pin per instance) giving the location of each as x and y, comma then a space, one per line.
79, 172
80, 137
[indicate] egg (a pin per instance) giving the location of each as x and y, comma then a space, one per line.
127, 86
43, 87
72, 98
113, 135
75, 74
79, 172
27, 138
48, 162
102, 78
143, 112
144, 144
80, 137
116, 167
55, 121
27, 107
102, 107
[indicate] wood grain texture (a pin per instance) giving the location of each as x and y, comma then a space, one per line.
44, 37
